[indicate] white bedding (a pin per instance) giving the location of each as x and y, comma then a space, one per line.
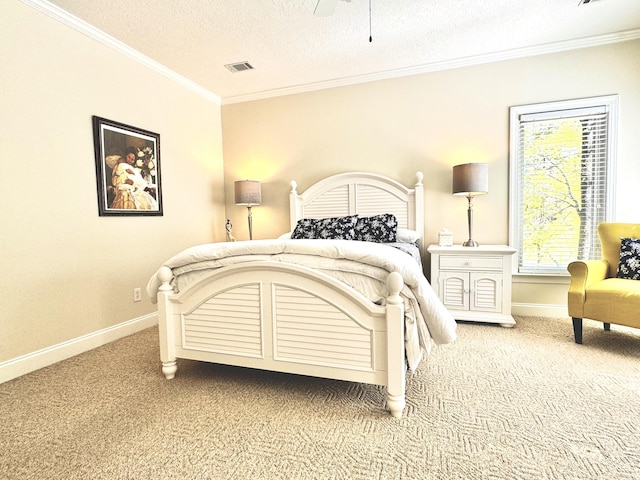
362, 265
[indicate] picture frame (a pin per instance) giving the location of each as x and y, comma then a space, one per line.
127, 169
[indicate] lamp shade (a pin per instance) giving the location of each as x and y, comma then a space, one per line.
248, 192
471, 179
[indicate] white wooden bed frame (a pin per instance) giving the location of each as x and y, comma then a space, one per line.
266, 315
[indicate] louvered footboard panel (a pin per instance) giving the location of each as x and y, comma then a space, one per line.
229, 322
311, 330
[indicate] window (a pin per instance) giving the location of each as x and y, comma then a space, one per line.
562, 158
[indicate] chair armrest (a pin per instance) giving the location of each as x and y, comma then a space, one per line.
583, 273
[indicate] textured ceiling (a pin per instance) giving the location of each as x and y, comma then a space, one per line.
291, 49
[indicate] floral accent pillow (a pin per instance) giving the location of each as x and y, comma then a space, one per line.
305, 228
337, 228
381, 228
629, 266
334, 228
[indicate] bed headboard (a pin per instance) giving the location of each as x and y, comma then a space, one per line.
360, 193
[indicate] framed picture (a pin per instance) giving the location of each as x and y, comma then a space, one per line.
127, 169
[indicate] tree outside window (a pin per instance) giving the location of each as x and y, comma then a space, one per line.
561, 167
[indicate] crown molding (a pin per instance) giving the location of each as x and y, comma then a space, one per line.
90, 31
548, 48
87, 29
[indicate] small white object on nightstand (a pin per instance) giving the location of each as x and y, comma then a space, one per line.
445, 238
474, 283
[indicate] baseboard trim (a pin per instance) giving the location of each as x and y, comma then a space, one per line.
31, 362
539, 310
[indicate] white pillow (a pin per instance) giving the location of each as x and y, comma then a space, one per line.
407, 236
285, 236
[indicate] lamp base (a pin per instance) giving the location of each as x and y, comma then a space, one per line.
470, 243
250, 222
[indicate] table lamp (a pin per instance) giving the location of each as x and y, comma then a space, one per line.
248, 193
470, 180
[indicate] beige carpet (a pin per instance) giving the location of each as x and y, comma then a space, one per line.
521, 403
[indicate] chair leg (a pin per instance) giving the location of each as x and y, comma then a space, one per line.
577, 329
607, 327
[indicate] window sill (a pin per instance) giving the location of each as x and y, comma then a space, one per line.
559, 279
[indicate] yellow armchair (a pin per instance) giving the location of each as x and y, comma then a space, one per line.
596, 293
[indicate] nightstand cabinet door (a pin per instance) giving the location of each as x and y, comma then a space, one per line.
454, 288
471, 291
486, 292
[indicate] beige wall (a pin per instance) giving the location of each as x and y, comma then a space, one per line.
426, 122
65, 271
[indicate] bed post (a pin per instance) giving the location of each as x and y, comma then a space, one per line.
419, 212
294, 213
396, 371
165, 324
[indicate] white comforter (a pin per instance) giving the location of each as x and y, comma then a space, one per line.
362, 265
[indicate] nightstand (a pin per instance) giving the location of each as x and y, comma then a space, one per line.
474, 283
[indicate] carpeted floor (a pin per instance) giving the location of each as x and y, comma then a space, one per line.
521, 403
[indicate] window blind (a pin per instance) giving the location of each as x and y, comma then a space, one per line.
561, 185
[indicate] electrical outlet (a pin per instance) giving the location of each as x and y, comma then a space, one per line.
137, 294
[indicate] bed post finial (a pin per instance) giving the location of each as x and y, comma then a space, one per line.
419, 178
294, 186
394, 284
165, 275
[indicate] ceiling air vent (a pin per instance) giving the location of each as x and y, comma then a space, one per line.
239, 67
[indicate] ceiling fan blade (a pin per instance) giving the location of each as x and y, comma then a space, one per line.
325, 8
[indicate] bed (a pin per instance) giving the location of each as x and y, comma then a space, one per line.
323, 305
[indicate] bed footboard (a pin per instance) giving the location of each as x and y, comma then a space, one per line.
286, 318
